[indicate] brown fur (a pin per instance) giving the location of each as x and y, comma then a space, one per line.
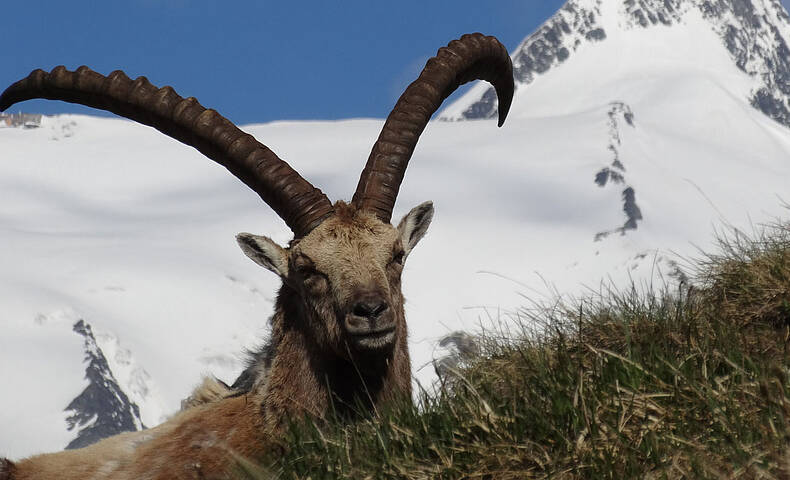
316, 368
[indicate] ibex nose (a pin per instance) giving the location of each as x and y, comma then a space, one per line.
370, 323
370, 307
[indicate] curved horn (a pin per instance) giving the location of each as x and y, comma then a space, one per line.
293, 198
472, 57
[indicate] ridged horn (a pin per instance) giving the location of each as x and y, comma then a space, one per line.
293, 198
472, 57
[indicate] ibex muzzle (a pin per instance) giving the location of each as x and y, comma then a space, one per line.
370, 322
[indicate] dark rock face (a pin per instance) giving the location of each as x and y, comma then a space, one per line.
754, 32
760, 50
102, 409
646, 13
486, 107
772, 105
614, 173
630, 209
606, 175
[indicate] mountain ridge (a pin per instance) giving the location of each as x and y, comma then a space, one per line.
755, 34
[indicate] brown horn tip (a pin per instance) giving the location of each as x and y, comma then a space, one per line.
505, 99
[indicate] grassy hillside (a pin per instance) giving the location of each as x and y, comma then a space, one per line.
688, 382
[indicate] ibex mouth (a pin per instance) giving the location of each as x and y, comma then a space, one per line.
370, 323
374, 339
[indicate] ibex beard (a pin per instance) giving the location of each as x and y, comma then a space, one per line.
339, 340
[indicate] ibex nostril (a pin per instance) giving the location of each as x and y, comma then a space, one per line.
380, 309
369, 308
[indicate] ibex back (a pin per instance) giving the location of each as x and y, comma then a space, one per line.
339, 337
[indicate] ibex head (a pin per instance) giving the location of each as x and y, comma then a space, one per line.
344, 264
347, 273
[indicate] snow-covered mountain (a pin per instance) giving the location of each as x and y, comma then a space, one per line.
103, 409
92, 386
755, 34
716, 54
633, 135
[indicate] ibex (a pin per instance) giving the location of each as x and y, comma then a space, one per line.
338, 339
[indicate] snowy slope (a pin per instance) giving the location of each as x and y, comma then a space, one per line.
111, 222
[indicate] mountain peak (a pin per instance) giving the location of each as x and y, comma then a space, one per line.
103, 408
754, 34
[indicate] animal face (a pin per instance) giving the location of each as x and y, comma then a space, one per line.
347, 274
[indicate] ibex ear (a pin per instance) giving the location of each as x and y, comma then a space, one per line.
265, 252
414, 225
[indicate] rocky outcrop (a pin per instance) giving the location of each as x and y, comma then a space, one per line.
102, 409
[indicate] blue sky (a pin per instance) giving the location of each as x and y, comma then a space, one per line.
256, 61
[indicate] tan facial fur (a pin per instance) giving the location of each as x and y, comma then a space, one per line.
346, 275
349, 256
